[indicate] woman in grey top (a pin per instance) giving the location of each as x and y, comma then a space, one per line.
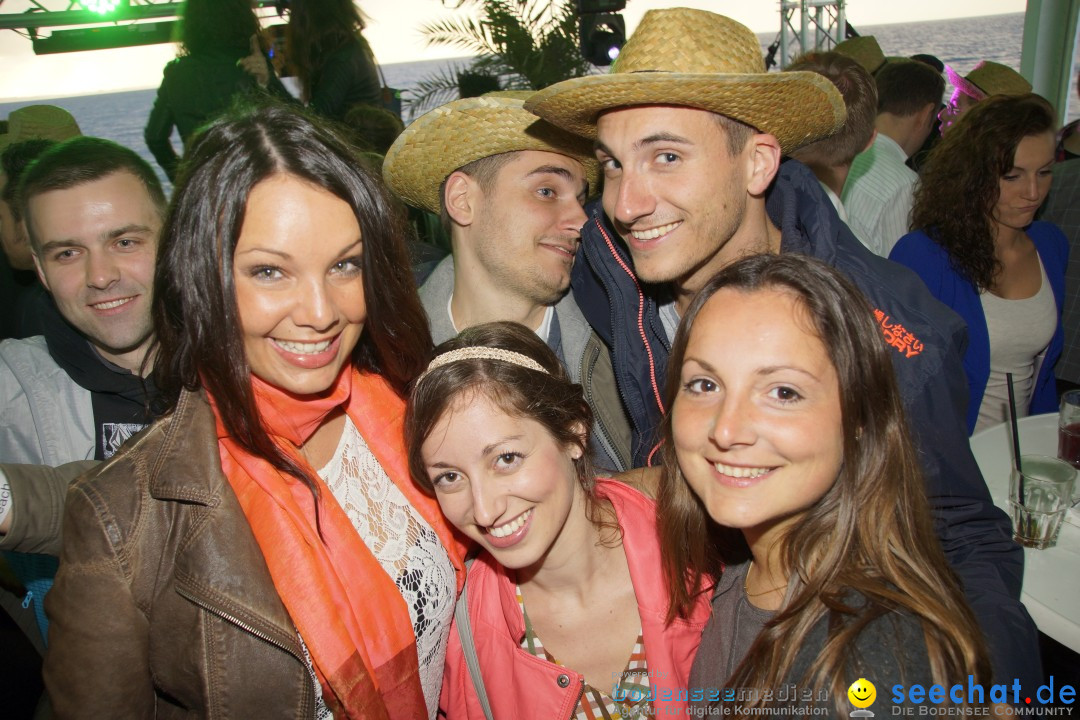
787, 457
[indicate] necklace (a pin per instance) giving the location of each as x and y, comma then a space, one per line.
746, 581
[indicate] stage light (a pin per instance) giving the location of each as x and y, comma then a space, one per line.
602, 37
101, 7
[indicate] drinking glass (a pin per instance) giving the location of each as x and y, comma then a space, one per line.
1069, 428
1039, 499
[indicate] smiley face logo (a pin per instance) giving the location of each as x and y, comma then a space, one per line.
862, 693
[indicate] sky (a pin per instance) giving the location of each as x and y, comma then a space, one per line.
394, 35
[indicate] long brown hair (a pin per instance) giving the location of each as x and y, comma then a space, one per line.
549, 398
318, 28
870, 534
959, 184
195, 312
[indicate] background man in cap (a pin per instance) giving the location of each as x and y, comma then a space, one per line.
689, 132
30, 130
880, 187
510, 190
93, 210
987, 78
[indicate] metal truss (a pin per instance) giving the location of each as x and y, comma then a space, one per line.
807, 25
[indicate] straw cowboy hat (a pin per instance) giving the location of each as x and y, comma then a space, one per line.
863, 50
702, 60
987, 79
47, 122
460, 132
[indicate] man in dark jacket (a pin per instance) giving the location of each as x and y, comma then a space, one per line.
690, 132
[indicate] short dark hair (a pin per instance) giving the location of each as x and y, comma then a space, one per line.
78, 161
904, 87
373, 128
483, 171
737, 132
14, 160
857, 87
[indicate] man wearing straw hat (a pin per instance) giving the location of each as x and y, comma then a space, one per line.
690, 131
986, 79
510, 190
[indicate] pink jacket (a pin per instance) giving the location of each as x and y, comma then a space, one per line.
522, 686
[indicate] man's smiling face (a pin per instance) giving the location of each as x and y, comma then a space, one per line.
95, 245
673, 189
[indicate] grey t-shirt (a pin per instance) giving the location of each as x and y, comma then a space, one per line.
730, 632
890, 649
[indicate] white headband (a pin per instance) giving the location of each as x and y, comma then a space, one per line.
482, 353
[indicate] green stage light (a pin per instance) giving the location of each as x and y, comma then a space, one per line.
101, 7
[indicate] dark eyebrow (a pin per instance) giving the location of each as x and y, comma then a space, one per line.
286, 256
128, 230
489, 448
762, 371
552, 170
133, 228
57, 244
654, 139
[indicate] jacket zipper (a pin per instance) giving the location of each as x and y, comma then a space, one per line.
580, 692
605, 436
309, 708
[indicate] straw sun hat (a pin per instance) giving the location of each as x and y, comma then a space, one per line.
47, 122
989, 78
698, 59
460, 132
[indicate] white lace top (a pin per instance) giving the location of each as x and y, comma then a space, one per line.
404, 544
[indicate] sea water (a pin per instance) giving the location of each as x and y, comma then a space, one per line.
960, 43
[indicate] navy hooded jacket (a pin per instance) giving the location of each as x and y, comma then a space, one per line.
928, 340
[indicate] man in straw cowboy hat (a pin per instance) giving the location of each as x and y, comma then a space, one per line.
510, 190
986, 79
690, 131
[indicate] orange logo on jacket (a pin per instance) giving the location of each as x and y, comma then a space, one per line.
897, 336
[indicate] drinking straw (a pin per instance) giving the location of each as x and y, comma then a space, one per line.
1015, 437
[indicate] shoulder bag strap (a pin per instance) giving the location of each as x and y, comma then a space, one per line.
464, 629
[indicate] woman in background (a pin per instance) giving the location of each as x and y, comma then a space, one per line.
979, 251
215, 36
789, 471
566, 601
261, 551
334, 63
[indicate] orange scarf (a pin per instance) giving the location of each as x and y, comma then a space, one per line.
348, 610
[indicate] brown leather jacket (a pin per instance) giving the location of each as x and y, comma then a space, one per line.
163, 606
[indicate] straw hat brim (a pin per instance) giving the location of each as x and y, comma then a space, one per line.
964, 85
796, 107
454, 135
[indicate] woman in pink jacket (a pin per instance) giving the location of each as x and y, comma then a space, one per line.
567, 604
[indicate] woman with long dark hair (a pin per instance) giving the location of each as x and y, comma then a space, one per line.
566, 601
334, 63
261, 551
790, 473
201, 83
980, 251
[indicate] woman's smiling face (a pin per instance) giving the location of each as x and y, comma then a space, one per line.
757, 419
299, 285
505, 482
